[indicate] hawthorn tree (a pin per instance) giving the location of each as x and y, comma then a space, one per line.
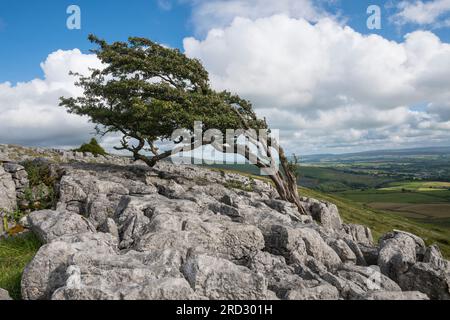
146, 92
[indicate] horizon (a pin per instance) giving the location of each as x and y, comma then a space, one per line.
125, 154
395, 95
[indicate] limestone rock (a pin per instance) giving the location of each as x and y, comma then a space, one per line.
360, 234
395, 295
7, 191
433, 256
216, 278
422, 277
397, 254
49, 225
4, 295
343, 250
47, 271
125, 231
320, 292
325, 213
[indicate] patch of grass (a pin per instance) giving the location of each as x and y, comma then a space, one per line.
40, 193
379, 196
92, 147
15, 254
38, 173
7, 218
234, 184
418, 186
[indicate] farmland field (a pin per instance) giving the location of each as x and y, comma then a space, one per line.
432, 210
379, 195
418, 186
415, 199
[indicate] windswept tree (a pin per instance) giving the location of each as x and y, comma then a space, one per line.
146, 92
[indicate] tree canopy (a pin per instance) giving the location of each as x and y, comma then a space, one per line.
146, 91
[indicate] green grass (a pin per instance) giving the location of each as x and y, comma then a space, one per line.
381, 222
15, 253
377, 195
326, 176
418, 186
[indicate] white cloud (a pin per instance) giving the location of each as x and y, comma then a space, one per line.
209, 14
329, 87
326, 86
29, 111
423, 13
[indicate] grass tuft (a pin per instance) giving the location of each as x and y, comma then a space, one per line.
15, 254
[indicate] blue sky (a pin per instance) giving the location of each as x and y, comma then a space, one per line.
333, 88
30, 30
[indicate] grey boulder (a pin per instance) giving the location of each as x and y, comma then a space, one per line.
4, 295
47, 271
424, 278
49, 224
397, 254
216, 278
395, 295
7, 191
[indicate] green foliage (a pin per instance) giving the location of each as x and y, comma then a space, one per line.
40, 194
39, 173
293, 165
147, 91
15, 215
11, 217
40, 197
93, 147
15, 254
235, 184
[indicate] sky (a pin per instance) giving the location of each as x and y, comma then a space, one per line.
313, 68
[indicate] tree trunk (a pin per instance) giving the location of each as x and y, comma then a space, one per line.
288, 191
286, 183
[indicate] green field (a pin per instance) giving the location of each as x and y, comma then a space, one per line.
15, 253
432, 230
381, 195
335, 179
422, 186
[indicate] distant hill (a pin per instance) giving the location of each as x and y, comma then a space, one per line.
378, 154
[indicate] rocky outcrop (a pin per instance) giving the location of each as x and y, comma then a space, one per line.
185, 232
20, 178
48, 271
7, 199
7, 191
325, 213
390, 295
16, 154
49, 225
397, 254
4, 295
